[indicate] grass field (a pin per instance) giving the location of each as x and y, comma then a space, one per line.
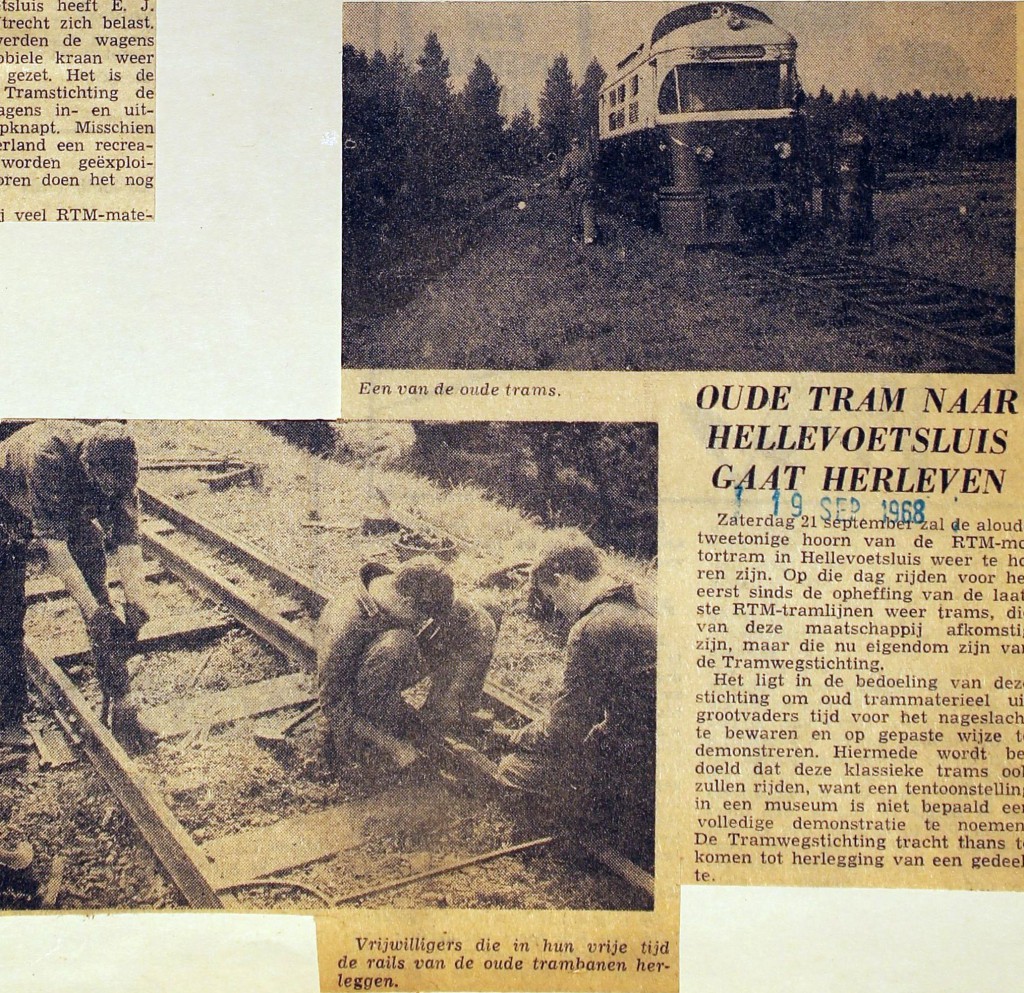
958, 227
517, 293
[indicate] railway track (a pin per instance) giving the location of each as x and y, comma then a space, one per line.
962, 317
274, 845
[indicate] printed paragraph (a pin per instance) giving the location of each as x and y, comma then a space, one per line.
77, 119
859, 711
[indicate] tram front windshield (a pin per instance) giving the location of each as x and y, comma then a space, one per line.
726, 86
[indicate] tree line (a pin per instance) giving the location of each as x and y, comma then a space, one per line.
913, 131
599, 476
409, 136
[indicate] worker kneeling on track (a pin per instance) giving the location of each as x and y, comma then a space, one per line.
73, 487
384, 633
590, 761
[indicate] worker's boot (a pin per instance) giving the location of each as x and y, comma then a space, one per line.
133, 736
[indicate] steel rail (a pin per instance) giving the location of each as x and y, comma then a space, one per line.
891, 314
173, 511
992, 297
283, 634
302, 586
188, 868
276, 630
455, 865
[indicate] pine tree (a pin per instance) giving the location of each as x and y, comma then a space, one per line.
480, 119
522, 143
432, 77
558, 107
589, 100
432, 120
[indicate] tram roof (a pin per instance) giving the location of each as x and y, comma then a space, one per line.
710, 26
694, 13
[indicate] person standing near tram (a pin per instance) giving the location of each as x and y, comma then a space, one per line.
576, 176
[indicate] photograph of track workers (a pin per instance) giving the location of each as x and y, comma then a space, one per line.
648, 186
387, 664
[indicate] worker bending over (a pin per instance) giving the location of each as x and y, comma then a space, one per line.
387, 630
592, 756
72, 486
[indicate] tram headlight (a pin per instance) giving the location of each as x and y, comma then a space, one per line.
784, 150
704, 152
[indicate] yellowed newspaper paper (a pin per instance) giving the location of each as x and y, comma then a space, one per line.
77, 131
857, 628
793, 194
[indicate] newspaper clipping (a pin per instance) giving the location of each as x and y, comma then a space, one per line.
77, 128
665, 549
857, 619
821, 199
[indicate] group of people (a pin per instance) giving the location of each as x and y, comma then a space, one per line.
590, 759
72, 487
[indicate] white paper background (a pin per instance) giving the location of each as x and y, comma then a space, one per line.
159, 953
769, 940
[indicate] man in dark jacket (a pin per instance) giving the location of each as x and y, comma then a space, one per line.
72, 486
592, 756
576, 176
388, 630
857, 176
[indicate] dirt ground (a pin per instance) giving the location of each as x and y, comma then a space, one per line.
524, 296
308, 512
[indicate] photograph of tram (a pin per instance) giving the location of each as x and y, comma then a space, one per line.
701, 132
649, 186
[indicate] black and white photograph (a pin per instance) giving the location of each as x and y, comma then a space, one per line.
311, 664
785, 186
